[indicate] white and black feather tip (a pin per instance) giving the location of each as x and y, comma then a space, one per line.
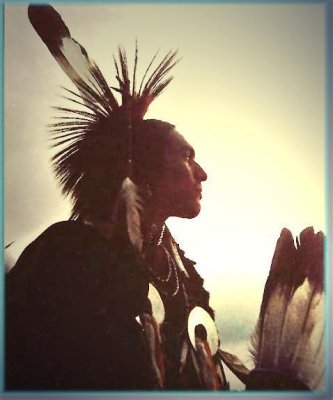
288, 342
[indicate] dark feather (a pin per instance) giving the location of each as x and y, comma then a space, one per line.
70, 55
289, 334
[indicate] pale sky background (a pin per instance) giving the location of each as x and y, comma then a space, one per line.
248, 95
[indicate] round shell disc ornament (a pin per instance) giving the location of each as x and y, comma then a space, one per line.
157, 305
199, 324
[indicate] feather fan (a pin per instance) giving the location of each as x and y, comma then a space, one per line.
287, 345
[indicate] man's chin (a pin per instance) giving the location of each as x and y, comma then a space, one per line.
190, 212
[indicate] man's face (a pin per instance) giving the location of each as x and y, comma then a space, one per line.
179, 190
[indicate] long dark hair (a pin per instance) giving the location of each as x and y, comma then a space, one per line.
104, 157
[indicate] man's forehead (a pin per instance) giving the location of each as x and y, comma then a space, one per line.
177, 141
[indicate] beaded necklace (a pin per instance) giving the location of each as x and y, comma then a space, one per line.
171, 272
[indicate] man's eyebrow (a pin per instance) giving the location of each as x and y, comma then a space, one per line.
191, 149
187, 147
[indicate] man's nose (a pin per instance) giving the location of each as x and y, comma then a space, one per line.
200, 173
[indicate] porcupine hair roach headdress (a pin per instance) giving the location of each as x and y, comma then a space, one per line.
101, 143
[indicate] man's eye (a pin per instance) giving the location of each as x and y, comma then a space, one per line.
187, 155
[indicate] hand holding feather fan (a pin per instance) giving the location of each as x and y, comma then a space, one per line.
287, 345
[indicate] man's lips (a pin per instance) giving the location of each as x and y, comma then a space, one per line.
199, 192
